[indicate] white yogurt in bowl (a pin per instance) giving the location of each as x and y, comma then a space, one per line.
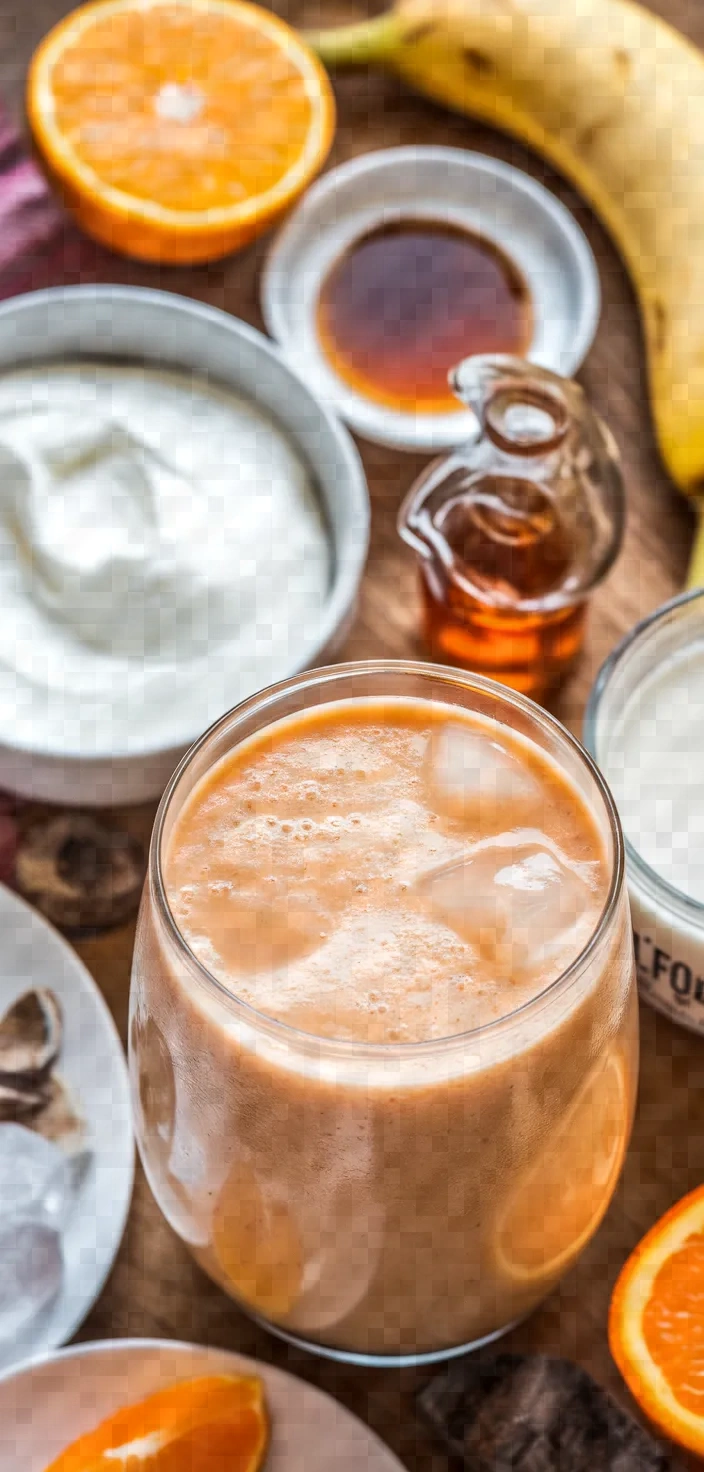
645, 727
146, 520
181, 524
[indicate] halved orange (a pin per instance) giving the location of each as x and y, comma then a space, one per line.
556, 1208
256, 1245
214, 1424
656, 1323
178, 130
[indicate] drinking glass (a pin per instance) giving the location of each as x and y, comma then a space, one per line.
384, 1203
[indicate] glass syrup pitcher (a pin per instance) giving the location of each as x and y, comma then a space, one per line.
515, 529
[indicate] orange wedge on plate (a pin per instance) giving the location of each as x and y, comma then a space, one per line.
213, 1424
178, 130
656, 1323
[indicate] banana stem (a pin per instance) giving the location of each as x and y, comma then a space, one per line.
695, 575
368, 43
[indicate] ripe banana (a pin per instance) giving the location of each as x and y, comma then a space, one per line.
614, 98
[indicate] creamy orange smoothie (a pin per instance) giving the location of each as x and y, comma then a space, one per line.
364, 1098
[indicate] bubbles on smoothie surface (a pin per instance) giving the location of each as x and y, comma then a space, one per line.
382, 876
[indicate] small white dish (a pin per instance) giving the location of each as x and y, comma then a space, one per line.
133, 325
486, 196
92, 1065
45, 1406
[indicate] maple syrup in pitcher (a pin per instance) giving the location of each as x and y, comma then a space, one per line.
515, 529
407, 300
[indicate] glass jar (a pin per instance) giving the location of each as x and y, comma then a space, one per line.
386, 1202
643, 725
515, 530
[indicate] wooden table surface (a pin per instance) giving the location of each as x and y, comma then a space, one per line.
155, 1289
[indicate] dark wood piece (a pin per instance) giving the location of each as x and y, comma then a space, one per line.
530, 1413
81, 873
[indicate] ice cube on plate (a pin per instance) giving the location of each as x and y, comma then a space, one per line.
522, 904
473, 777
27, 1164
37, 1180
31, 1272
63, 1187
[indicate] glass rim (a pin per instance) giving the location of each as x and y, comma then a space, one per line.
269, 697
657, 887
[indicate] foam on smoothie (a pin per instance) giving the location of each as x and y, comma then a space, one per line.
386, 871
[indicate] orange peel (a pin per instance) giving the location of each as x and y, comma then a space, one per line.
656, 1323
216, 1423
178, 130
555, 1210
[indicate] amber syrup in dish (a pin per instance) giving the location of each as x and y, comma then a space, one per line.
409, 299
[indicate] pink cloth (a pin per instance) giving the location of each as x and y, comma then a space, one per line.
39, 246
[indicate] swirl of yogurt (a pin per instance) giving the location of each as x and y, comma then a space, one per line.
162, 554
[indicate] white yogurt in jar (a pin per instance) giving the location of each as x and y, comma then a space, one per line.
162, 555
645, 727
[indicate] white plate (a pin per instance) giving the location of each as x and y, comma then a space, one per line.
92, 1064
43, 1407
489, 197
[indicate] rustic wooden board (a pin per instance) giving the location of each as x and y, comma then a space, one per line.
155, 1289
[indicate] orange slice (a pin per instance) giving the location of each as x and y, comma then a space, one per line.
214, 1424
559, 1204
256, 1244
178, 130
656, 1323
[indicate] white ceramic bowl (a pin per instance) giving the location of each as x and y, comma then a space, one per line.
127, 324
484, 195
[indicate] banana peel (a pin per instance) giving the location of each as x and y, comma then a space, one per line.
613, 97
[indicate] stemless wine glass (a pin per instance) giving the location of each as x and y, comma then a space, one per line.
398, 1202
